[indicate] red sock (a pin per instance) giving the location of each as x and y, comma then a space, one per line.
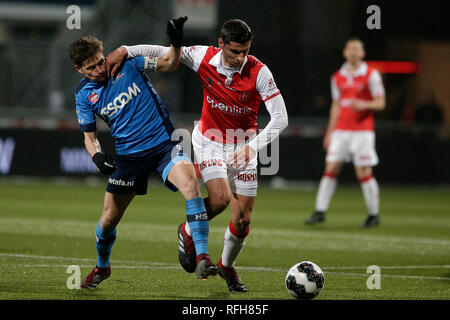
201, 257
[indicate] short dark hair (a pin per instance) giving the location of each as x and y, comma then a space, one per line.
84, 48
235, 30
354, 38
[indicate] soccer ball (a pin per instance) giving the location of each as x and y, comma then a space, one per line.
304, 280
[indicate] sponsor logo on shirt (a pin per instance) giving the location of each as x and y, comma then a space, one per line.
118, 77
120, 101
227, 109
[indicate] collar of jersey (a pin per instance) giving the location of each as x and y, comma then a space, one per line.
362, 70
216, 61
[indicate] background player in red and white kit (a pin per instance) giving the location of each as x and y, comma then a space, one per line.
357, 90
225, 140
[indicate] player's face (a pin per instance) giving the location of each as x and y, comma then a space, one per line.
354, 51
234, 53
94, 68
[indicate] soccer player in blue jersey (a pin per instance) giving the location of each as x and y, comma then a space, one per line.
141, 128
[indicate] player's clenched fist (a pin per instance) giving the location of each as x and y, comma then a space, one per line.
104, 163
175, 31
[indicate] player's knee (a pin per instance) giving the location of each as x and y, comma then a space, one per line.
219, 201
107, 224
191, 188
242, 224
109, 219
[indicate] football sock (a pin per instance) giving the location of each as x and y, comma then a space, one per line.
210, 216
234, 241
105, 241
198, 224
371, 191
327, 186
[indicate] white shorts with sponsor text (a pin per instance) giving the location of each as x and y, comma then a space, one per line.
211, 157
355, 146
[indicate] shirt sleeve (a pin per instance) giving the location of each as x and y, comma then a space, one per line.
376, 84
145, 63
85, 115
146, 50
265, 84
193, 56
278, 122
335, 93
190, 56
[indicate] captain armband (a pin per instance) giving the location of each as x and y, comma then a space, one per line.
151, 63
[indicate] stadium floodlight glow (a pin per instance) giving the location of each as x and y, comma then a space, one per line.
399, 67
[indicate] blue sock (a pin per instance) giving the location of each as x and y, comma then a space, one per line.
198, 222
105, 241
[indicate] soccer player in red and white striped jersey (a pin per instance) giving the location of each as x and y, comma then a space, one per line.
225, 140
357, 90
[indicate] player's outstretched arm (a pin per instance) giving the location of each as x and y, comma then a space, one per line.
170, 61
103, 161
170, 56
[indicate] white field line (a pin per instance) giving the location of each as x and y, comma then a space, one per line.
67, 225
245, 268
154, 265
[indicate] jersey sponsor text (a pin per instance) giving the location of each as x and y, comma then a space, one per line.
120, 101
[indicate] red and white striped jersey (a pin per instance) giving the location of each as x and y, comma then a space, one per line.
364, 84
231, 98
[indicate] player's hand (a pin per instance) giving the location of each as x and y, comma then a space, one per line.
241, 158
175, 31
358, 105
104, 163
114, 61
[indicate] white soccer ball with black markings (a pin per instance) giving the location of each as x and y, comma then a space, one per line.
304, 280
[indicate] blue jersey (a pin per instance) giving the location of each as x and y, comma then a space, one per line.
129, 105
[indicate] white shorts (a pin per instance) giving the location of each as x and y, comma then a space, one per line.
211, 157
356, 146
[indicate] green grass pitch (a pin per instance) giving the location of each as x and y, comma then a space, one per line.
46, 227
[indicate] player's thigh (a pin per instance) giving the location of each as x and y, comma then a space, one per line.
339, 148
363, 171
210, 157
363, 149
113, 209
183, 176
219, 192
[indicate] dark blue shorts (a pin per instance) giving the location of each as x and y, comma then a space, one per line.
132, 171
